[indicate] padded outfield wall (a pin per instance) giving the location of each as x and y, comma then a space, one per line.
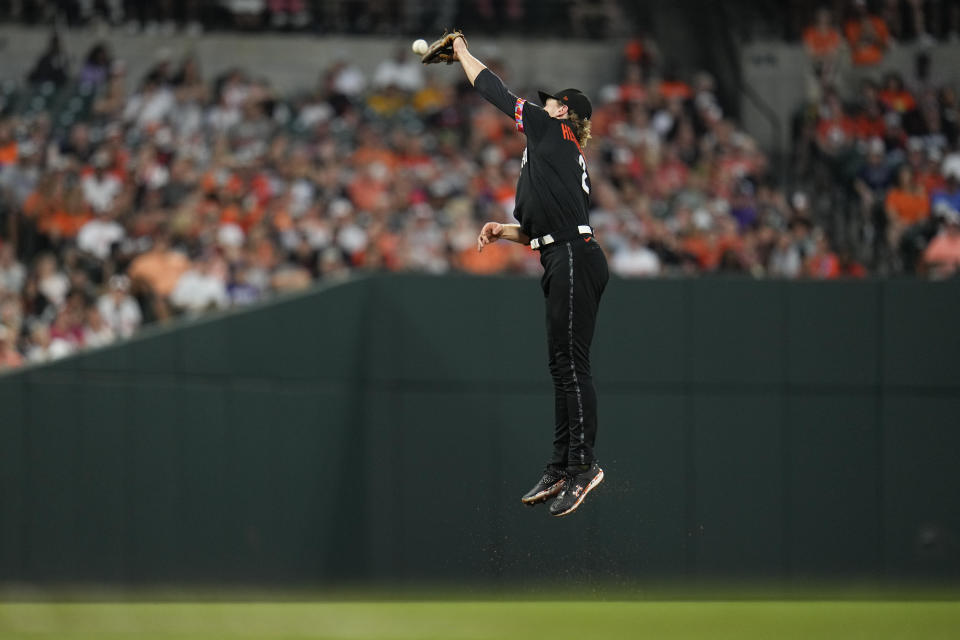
383, 430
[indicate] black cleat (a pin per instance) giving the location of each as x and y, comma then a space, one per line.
549, 485
576, 489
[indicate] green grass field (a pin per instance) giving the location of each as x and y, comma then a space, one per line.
574, 620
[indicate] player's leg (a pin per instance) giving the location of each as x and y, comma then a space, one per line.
573, 322
554, 475
573, 299
555, 284
590, 280
561, 413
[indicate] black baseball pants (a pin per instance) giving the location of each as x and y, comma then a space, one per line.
575, 275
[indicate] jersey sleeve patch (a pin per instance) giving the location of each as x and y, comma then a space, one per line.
518, 113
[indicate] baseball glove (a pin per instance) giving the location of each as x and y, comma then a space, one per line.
442, 50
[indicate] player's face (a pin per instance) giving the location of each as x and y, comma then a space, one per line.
554, 109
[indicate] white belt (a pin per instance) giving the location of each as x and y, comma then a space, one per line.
543, 241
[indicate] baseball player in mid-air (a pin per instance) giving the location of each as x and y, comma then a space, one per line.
552, 206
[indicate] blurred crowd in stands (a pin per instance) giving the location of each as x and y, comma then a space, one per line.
902, 20
127, 201
873, 23
879, 150
578, 18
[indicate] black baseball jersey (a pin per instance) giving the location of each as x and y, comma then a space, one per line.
553, 192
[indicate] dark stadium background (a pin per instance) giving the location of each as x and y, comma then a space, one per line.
247, 345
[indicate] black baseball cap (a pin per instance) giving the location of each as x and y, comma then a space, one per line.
573, 98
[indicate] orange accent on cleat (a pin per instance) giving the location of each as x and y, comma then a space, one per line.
593, 483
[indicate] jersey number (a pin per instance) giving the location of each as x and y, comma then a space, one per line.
583, 178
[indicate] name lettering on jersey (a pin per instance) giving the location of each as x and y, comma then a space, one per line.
568, 135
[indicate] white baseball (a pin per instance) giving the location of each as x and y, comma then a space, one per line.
420, 46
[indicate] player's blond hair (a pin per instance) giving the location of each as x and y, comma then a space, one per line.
581, 128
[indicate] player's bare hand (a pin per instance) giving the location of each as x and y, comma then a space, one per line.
491, 232
459, 45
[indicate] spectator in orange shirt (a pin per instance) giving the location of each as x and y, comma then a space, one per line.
8, 144
703, 246
642, 51
68, 216
848, 267
823, 263
371, 148
929, 174
161, 267
869, 121
894, 95
867, 36
496, 261
672, 87
41, 205
822, 39
835, 129
906, 204
369, 188
633, 88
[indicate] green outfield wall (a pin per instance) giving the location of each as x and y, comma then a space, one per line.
384, 429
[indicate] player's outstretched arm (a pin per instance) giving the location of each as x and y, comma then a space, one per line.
471, 66
493, 231
488, 84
